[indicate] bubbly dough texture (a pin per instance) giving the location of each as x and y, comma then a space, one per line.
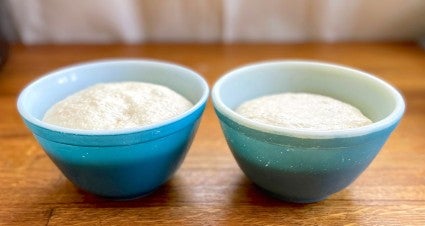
109, 106
303, 110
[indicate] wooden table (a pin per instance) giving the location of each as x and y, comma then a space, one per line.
209, 188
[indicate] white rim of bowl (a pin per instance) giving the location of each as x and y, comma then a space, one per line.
395, 115
40, 123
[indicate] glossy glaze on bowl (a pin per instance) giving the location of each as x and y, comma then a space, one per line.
123, 163
301, 165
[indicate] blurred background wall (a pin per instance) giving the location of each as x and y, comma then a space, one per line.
229, 21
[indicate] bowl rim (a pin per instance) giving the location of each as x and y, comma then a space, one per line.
96, 63
386, 122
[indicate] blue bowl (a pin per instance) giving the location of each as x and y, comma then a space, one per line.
124, 163
302, 165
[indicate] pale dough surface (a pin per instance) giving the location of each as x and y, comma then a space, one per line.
109, 106
303, 110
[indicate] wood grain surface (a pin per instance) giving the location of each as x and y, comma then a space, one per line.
209, 188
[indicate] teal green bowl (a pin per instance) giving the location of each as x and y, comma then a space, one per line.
124, 163
301, 165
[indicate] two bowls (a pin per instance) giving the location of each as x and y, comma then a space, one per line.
292, 164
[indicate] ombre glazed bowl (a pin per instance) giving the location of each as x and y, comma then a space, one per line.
304, 165
123, 163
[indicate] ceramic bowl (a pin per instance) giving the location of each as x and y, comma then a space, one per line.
124, 163
301, 165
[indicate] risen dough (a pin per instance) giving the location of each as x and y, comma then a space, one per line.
109, 106
303, 110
